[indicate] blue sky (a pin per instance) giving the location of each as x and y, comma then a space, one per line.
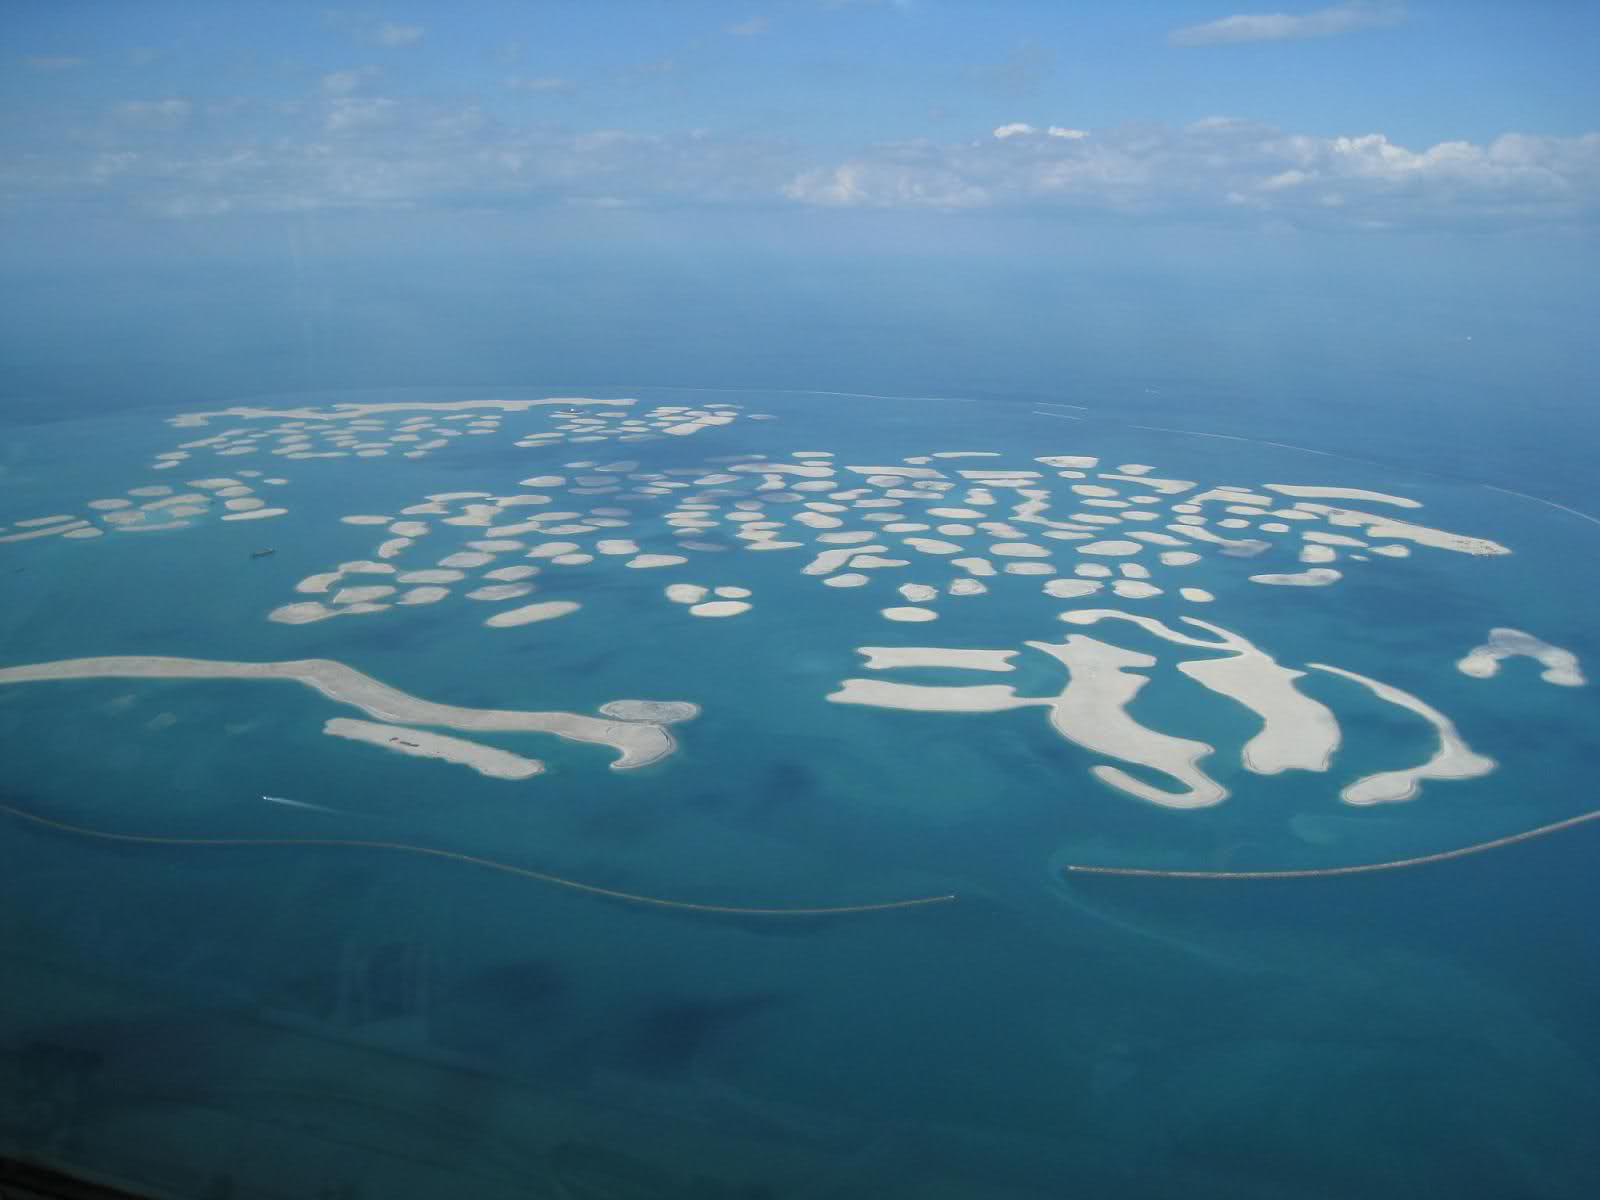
1367, 115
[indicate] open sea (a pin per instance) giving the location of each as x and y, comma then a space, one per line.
291, 1014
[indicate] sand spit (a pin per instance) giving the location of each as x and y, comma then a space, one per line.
486, 760
1560, 666
49, 531
888, 658
1379, 526
1454, 759
918, 697
342, 412
259, 514
1092, 712
543, 611
1297, 733
1315, 577
500, 591
637, 745
1303, 491
1067, 460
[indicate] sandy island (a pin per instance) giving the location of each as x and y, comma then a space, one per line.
637, 744
486, 760
1560, 666
1454, 759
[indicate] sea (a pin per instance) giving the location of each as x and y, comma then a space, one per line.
821, 949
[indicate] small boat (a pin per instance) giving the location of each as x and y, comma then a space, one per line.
263, 553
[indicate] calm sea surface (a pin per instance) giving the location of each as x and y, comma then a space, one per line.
295, 1020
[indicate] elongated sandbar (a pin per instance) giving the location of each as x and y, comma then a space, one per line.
1305, 491
1092, 712
1453, 759
529, 613
1297, 733
1560, 666
888, 658
638, 744
1379, 526
340, 412
401, 739
1314, 577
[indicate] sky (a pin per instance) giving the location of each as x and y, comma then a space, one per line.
1367, 114
236, 198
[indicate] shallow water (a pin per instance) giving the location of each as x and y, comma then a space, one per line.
304, 1017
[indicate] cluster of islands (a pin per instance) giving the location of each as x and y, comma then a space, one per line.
927, 531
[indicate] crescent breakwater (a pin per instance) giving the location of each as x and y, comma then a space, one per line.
1397, 864
474, 860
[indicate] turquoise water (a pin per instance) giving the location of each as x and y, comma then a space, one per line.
279, 1020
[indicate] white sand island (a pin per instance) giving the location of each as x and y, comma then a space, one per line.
401, 739
637, 743
1560, 666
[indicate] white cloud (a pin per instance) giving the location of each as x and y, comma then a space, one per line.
750, 28
53, 62
342, 83
348, 114
1282, 27
1228, 168
364, 27
153, 114
390, 34
540, 83
357, 151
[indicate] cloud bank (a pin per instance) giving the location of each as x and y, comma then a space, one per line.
1222, 168
346, 147
1284, 27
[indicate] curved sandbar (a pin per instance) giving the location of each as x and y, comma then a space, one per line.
1313, 577
1305, 491
1297, 733
1379, 526
1454, 759
486, 760
637, 744
1092, 711
1560, 666
341, 412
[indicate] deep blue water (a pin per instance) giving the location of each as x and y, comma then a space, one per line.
297, 1019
